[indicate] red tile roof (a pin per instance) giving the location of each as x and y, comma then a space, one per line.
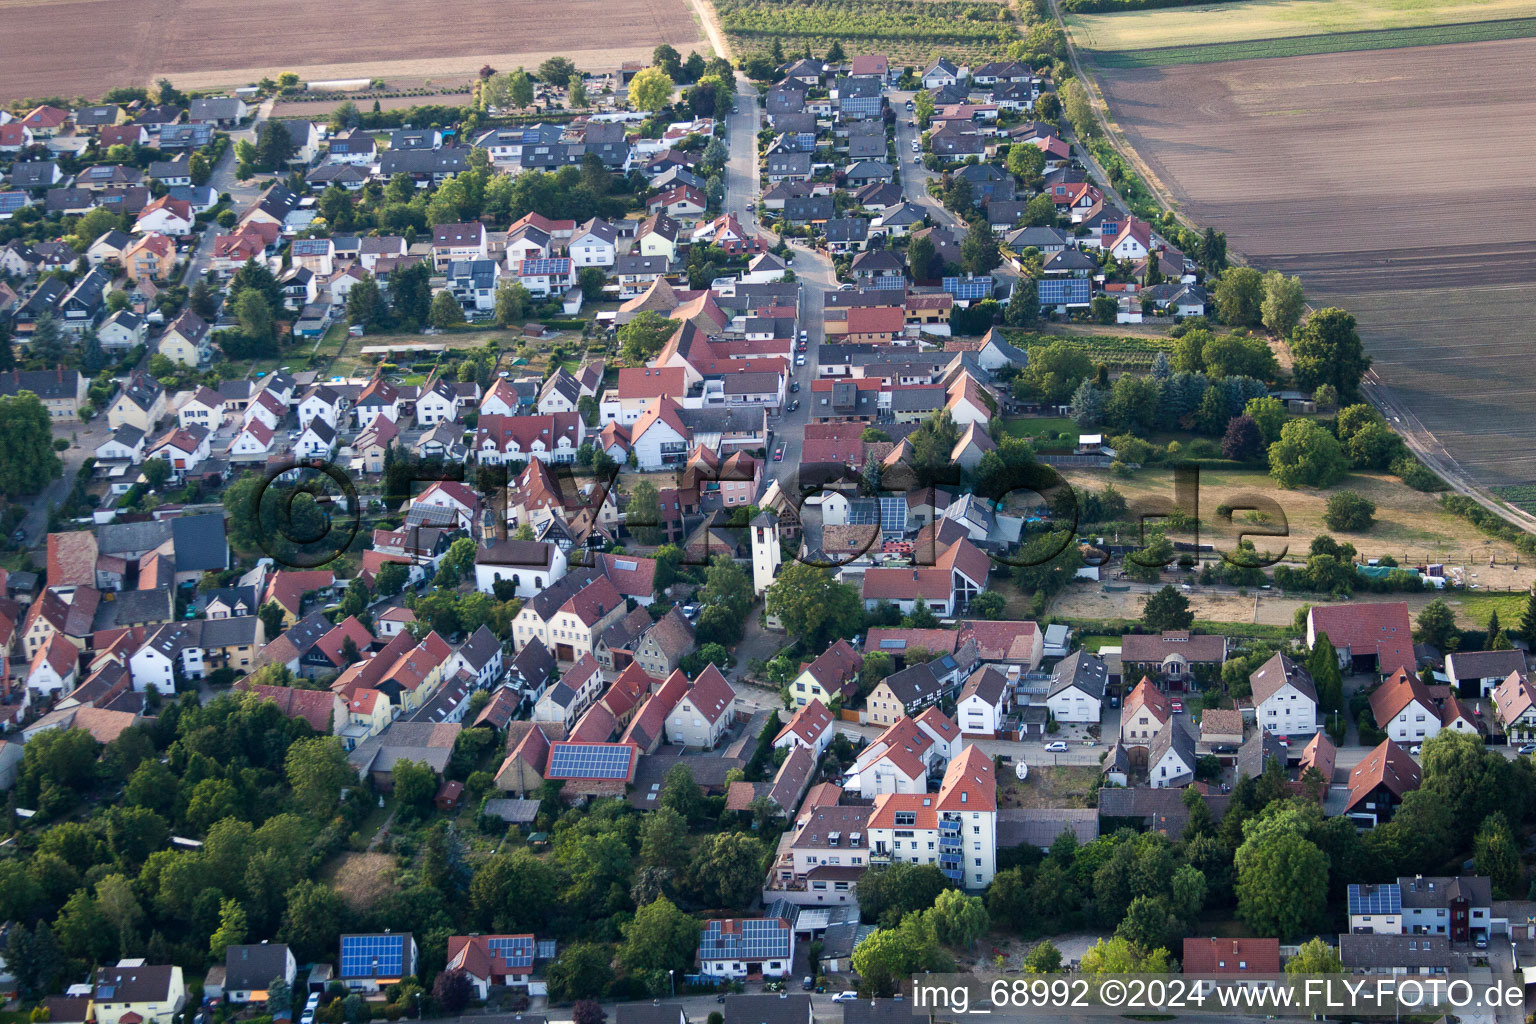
1392, 696
72, 559
1387, 764
809, 723
1231, 956
877, 319
711, 694
837, 668
969, 783
1383, 629
652, 381
312, 706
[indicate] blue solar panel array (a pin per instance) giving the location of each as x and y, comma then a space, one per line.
890, 283
373, 956
1058, 291
969, 287
590, 761
758, 939
513, 950
546, 266
1375, 899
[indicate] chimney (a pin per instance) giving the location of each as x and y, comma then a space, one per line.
60, 369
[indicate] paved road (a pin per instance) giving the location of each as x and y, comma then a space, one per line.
812, 269
222, 180
915, 177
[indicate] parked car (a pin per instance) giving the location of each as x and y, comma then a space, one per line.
909, 104
846, 996
778, 456
794, 387
1059, 747
1176, 705
1529, 748
807, 983
1416, 749
800, 360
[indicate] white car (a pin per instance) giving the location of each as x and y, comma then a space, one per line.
847, 996
1059, 747
799, 360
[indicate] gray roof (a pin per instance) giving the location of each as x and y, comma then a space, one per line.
1172, 737
785, 1008
480, 648
200, 542
1367, 952
1262, 746
1268, 678
1432, 892
254, 965
1040, 826
1484, 664
1081, 669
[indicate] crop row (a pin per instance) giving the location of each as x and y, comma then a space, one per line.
897, 20
1298, 46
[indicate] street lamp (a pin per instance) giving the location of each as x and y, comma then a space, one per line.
671, 985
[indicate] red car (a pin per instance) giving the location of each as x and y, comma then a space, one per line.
778, 456
1176, 706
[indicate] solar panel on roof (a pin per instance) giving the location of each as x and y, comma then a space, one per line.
589, 761
1375, 899
545, 266
372, 956
893, 645
515, 950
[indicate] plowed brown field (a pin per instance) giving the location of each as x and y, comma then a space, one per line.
85, 47
1398, 184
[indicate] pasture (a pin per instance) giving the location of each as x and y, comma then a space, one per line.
1333, 167
203, 44
1273, 19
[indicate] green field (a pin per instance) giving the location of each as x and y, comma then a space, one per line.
1299, 46
1521, 496
1115, 352
908, 31
1185, 27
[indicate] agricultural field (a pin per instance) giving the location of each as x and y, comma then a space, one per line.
908, 31
1299, 46
1318, 166
202, 44
1262, 23
1118, 352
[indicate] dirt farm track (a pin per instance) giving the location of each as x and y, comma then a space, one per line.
1398, 184
84, 47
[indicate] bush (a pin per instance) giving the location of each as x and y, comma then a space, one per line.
1350, 512
1416, 475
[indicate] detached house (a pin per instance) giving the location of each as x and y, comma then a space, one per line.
187, 340
702, 715
1404, 709
452, 242
1077, 688
167, 216
1284, 698
135, 992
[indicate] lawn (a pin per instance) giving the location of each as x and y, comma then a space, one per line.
1038, 426
1410, 525
1184, 27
